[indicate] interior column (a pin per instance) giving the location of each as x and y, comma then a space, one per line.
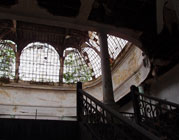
108, 97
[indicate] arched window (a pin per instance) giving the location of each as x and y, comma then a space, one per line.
75, 67
94, 61
39, 62
7, 59
115, 44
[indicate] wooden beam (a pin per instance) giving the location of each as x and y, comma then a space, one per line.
85, 9
72, 23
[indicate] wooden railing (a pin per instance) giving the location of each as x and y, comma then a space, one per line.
159, 116
104, 122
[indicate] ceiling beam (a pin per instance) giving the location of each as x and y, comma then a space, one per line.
43, 17
159, 15
85, 9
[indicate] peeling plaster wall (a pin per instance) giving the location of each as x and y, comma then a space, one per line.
27, 101
127, 66
130, 71
36, 97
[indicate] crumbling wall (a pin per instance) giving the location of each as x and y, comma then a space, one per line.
130, 71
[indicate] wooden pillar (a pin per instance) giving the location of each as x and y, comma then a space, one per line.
108, 97
79, 102
136, 106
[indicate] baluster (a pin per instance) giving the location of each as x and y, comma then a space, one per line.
136, 106
160, 111
103, 116
79, 102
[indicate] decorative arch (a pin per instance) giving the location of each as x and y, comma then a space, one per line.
39, 62
75, 68
94, 60
115, 45
7, 59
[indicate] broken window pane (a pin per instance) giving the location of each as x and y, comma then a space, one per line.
95, 61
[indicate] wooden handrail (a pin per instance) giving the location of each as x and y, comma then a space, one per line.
116, 115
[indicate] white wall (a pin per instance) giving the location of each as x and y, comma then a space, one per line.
25, 101
130, 71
